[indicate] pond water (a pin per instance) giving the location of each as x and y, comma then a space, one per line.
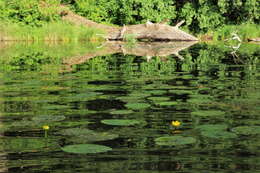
109, 108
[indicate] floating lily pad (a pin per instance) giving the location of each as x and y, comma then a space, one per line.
180, 92
199, 100
88, 135
212, 127
85, 148
247, 130
210, 113
120, 122
174, 140
157, 92
49, 118
137, 106
220, 134
155, 99
169, 103
121, 112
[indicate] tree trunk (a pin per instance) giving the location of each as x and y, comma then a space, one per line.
150, 31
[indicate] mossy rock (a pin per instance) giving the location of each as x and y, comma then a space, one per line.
86, 149
174, 140
247, 130
209, 113
88, 135
122, 122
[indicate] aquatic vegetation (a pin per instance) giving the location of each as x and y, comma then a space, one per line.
137, 106
247, 130
87, 135
157, 99
176, 123
175, 140
167, 103
46, 127
218, 131
121, 112
85, 148
208, 113
122, 122
48, 118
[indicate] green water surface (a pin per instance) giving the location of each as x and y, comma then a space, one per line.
111, 112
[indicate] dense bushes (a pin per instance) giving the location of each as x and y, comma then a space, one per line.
29, 12
200, 15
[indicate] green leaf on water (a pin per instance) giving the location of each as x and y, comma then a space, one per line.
121, 112
209, 113
85, 148
155, 99
157, 92
121, 122
220, 134
169, 103
174, 140
137, 106
88, 135
49, 118
212, 127
247, 130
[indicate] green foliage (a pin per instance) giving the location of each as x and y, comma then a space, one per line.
126, 11
30, 62
29, 12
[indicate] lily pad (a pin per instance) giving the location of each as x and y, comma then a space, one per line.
209, 113
169, 103
247, 130
121, 112
155, 99
85, 148
157, 92
88, 135
220, 134
212, 127
49, 118
174, 140
137, 106
121, 122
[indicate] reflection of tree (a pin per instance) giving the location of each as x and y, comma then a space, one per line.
148, 50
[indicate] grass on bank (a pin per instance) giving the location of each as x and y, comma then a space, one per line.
55, 31
244, 31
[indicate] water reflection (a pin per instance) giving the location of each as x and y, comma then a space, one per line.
148, 50
210, 93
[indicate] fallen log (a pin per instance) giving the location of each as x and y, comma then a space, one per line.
150, 31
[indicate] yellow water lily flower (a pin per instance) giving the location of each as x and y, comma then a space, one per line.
46, 127
176, 123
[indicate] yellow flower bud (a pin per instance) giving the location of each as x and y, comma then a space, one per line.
46, 127
176, 123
